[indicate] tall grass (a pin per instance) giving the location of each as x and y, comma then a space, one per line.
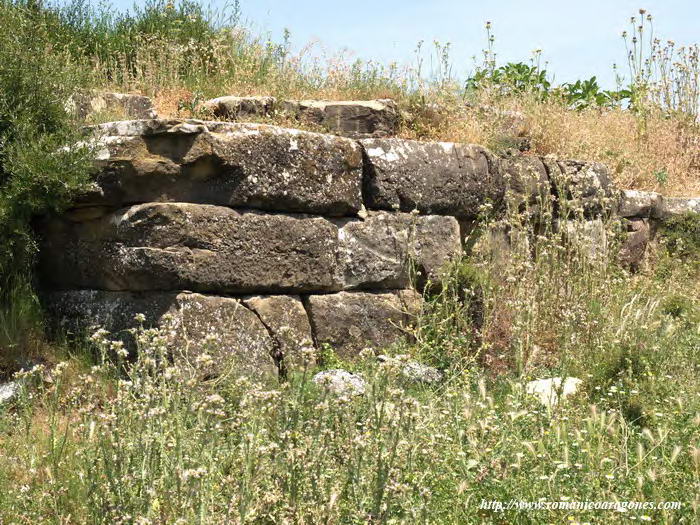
144, 441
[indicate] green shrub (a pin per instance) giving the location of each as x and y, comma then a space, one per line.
682, 234
39, 167
40, 164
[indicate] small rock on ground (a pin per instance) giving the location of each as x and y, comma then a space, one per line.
8, 390
549, 390
419, 373
341, 382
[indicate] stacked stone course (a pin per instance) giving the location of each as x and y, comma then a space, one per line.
259, 242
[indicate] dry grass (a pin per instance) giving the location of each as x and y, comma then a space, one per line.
661, 155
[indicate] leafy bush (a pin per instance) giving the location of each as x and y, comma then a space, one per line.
682, 234
512, 78
586, 93
40, 166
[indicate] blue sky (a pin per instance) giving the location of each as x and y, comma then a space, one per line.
578, 39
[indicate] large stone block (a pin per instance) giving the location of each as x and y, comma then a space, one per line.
224, 163
92, 104
634, 203
237, 108
584, 188
634, 245
388, 250
285, 318
351, 321
193, 324
351, 118
526, 178
588, 237
432, 177
204, 248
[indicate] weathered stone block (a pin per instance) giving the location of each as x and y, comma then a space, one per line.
224, 163
351, 321
590, 237
87, 105
432, 177
635, 203
175, 246
205, 248
583, 187
670, 206
351, 118
285, 318
526, 178
387, 249
193, 325
237, 108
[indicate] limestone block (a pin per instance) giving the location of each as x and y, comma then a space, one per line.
438, 178
585, 186
635, 243
193, 325
670, 206
635, 203
387, 250
350, 118
285, 318
589, 237
351, 321
525, 177
204, 248
228, 164
238, 108
91, 104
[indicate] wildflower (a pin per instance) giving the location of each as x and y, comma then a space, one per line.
204, 360
99, 336
214, 399
59, 368
195, 473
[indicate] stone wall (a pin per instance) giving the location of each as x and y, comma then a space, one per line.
258, 242
641, 212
